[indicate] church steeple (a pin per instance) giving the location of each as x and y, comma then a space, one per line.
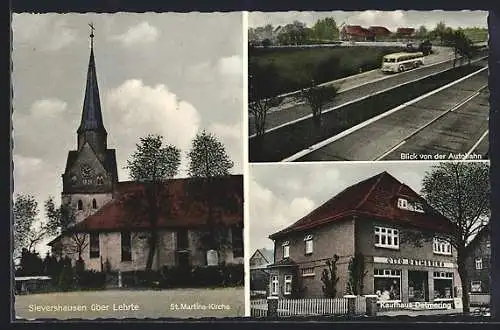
91, 127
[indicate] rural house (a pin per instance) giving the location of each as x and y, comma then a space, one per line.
259, 274
378, 220
479, 262
379, 32
108, 232
356, 33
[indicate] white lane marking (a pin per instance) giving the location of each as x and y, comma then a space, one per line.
374, 119
392, 149
485, 134
421, 128
359, 99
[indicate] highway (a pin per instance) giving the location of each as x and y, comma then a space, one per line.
352, 89
450, 122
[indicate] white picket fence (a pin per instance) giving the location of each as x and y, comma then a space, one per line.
308, 307
258, 308
292, 307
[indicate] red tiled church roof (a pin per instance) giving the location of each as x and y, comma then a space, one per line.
185, 207
375, 197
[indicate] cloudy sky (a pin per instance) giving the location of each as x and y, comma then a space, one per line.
390, 19
171, 74
282, 194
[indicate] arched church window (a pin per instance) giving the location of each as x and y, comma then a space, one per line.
80, 204
94, 204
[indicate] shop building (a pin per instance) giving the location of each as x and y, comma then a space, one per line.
387, 225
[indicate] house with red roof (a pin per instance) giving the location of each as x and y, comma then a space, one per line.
395, 232
380, 32
406, 32
111, 226
356, 33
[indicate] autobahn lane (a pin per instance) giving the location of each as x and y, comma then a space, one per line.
302, 111
450, 119
452, 136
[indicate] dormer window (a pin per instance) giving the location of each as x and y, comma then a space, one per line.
308, 244
402, 203
286, 249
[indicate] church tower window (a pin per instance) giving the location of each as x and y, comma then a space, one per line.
100, 179
80, 205
94, 204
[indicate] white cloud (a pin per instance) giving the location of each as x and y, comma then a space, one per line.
137, 110
141, 33
390, 19
24, 166
48, 108
226, 132
42, 31
270, 213
41, 126
231, 66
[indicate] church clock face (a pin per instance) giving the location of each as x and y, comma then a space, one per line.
87, 173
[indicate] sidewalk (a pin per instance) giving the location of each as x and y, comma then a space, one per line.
421, 313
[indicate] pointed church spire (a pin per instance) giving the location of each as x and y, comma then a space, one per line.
91, 114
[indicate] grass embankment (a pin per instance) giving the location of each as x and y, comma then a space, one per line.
297, 66
288, 140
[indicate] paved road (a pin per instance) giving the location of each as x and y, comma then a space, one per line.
356, 87
451, 121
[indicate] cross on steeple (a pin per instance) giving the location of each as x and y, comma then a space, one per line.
91, 34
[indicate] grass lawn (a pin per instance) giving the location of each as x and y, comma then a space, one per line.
175, 303
296, 66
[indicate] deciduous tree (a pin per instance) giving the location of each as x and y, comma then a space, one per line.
152, 164
461, 192
329, 277
29, 229
317, 97
264, 81
208, 160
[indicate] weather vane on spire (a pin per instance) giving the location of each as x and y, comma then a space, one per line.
91, 34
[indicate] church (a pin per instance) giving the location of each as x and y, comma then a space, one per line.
108, 237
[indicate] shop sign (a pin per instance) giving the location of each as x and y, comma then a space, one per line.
415, 305
412, 262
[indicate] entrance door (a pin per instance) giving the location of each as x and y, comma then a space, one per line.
418, 286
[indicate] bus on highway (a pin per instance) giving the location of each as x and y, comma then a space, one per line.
399, 62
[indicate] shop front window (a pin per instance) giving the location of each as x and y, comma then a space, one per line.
418, 286
443, 285
387, 284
